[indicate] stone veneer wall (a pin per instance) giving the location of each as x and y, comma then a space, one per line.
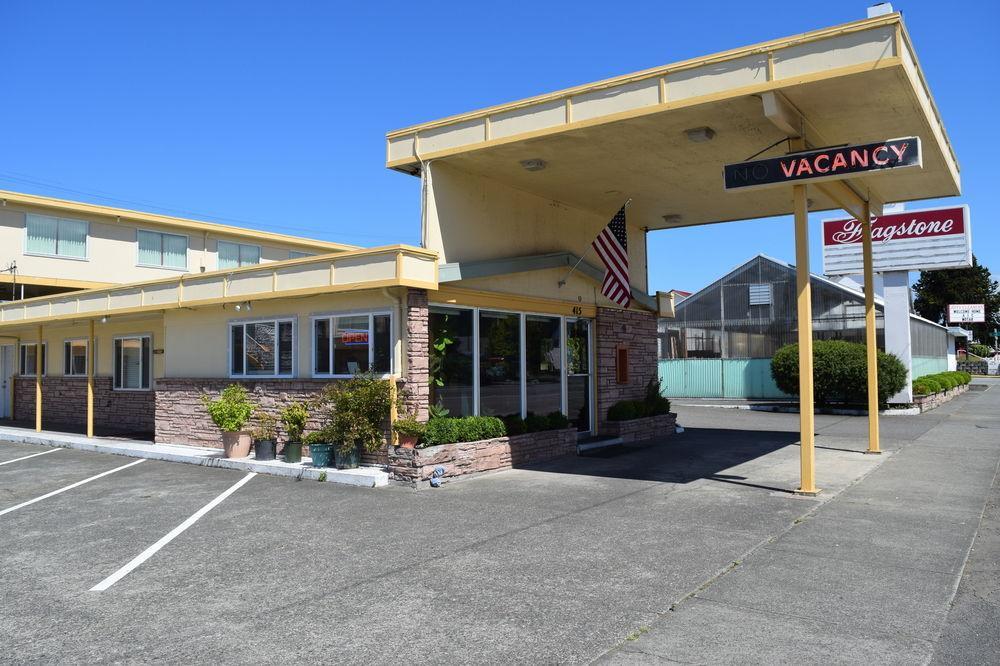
638, 430
929, 402
415, 466
416, 387
64, 402
636, 329
181, 417
973, 367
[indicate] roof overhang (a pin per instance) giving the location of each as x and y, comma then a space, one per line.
626, 137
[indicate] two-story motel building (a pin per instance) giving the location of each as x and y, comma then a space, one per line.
511, 197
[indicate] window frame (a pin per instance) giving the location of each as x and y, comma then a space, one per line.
114, 364
371, 314
86, 368
239, 253
187, 248
86, 239
21, 361
293, 319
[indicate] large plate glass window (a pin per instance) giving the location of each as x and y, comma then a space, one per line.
578, 373
133, 363
55, 236
347, 344
28, 363
162, 250
75, 358
263, 348
543, 364
499, 363
452, 357
234, 255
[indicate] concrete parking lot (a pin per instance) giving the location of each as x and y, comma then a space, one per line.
691, 549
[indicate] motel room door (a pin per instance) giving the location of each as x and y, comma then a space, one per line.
6, 379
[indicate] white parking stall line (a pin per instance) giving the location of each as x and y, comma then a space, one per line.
69, 487
33, 455
170, 536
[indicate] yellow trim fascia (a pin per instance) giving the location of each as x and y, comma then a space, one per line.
125, 214
208, 302
54, 282
492, 299
755, 89
662, 70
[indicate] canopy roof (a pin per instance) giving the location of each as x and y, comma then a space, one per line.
626, 137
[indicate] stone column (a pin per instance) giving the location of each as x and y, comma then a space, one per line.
636, 331
417, 374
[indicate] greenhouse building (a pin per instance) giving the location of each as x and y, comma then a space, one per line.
722, 338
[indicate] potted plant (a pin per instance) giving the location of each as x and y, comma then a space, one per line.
321, 447
358, 409
410, 430
265, 437
294, 418
230, 413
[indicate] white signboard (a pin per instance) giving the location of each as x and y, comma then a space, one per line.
967, 313
913, 240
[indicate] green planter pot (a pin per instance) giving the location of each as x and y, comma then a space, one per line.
293, 452
321, 454
347, 459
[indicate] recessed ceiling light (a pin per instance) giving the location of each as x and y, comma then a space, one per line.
700, 134
533, 164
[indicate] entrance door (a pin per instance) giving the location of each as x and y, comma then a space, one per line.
578, 374
6, 379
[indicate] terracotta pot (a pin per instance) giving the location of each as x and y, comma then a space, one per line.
408, 441
236, 444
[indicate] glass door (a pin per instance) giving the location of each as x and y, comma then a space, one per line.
6, 379
578, 374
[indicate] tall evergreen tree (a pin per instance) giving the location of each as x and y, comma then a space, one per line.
936, 290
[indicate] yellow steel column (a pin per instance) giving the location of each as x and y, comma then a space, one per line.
38, 380
807, 452
870, 339
90, 381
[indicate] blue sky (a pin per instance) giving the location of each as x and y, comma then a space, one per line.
273, 115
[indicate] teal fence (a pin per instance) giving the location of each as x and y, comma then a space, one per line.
928, 365
718, 378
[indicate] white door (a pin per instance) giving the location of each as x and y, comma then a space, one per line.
6, 379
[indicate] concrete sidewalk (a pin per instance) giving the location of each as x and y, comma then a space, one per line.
369, 477
869, 577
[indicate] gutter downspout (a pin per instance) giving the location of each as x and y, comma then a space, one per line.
425, 185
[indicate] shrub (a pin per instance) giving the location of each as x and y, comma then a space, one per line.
920, 387
465, 429
232, 410
931, 382
294, 418
514, 424
558, 421
839, 372
626, 410
942, 381
980, 350
656, 404
357, 410
409, 427
266, 429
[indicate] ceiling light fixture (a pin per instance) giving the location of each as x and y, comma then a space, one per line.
700, 134
672, 219
534, 164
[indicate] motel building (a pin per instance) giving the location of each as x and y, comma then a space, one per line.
151, 311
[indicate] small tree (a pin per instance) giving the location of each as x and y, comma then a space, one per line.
232, 410
294, 418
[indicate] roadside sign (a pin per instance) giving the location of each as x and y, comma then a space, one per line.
967, 313
824, 164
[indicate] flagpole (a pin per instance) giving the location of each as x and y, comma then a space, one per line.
562, 282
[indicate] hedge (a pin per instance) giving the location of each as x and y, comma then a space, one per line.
535, 423
840, 372
446, 430
941, 381
653, 404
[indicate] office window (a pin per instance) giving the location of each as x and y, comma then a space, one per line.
348, 344
262, 348
234, 255
75, 358
133, 363
162, 250
57, 237
27, 364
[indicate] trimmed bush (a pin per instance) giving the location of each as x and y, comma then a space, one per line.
515, 425
941, 381
446, 430
558, 421
840, 372
627, 410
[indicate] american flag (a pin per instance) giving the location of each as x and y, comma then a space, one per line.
611, 246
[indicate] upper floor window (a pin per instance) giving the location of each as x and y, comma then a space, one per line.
234, 255
295, 254
56, 236
161, 250
262, 348
28, 359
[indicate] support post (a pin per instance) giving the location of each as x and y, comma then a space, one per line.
807, 451
871, 342
90, 380
38, 380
